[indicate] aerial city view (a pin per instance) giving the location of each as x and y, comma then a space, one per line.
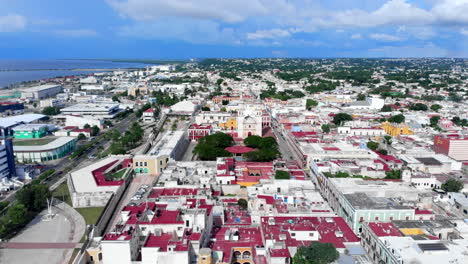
234, 132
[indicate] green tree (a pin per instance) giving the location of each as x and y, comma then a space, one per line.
316, 253
223, 109
326, 128
115, 98
372, 145
253, 141
310, 103
16, 216
205, 108
213, 146
361, 97
33, 196
436, 107
452, 185
393, 174
94, 130
340, 118
81, 136
243, 203
434, 121
382, 151
282, 175
397, 119
86, 126
386, 108
51, 110
388, 139
418, 107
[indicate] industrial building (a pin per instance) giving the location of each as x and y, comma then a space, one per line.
103, 110
41, 91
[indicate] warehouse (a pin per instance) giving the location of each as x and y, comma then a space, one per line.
41, 91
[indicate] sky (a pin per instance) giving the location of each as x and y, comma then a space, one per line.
183, 29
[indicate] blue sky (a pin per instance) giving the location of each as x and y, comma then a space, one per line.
175, 29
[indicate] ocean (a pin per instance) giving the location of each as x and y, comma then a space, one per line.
16, 71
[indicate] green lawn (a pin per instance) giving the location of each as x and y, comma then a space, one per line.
33, 142
119, 174
62, 193
90, 214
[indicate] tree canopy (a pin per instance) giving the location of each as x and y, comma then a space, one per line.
397, 119
372, 145
452, 185
339, 118
213, 146
316, 253
310, 103
267, 148
282, 175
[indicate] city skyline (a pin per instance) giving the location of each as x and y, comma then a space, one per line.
181, 29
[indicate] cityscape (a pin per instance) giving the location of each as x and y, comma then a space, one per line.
295, 154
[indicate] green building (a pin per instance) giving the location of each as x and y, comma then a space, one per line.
30, 131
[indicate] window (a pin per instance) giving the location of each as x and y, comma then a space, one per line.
293, 234
376, 218
361, 219
391, 218
311, 234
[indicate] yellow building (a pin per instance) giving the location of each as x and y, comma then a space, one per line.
149, 164
230, 124
133, 91
395, 129
204, 256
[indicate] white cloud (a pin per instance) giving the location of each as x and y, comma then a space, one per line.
12, 22
227, 11
356, 36
189, 30
464, 31
385, 37
76, 33
269, 34
428, 50
451, 11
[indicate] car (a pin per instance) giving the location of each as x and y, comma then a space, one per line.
145, 186
134, 198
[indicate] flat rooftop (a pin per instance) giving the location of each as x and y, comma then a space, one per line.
58, 142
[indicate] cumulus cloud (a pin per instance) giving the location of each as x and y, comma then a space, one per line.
188, 30
269, 34
227, 11
76, 33
286, 17
12, 22
385, 37
464, 31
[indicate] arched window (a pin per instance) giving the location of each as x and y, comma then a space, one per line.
237, 254
246, 254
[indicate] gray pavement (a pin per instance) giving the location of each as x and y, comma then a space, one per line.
67, 226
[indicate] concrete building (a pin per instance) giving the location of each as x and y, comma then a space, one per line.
452, 145
41, 92
94, 185
148, 115
171, 146
55, 149
11, 108
101, 111
7, 159
80, 121
408, 243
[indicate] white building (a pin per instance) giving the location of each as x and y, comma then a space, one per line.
41, 92
105, 111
